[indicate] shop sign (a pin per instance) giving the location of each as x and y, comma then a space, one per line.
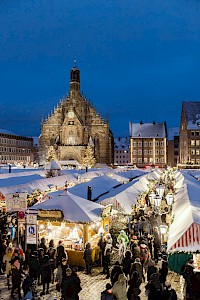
106, 212
31, 234
47, 214
16, 202
31, 219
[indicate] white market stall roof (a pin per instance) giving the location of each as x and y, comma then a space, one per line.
126, 195
74, 208
100, 185
18, 180
41, 184
184, 232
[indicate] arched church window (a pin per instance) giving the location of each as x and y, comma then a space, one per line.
71, 138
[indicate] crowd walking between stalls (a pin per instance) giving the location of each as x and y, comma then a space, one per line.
140, 257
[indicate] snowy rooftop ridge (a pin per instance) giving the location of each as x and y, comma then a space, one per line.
121, 143
148, 130
7, 132
192, 114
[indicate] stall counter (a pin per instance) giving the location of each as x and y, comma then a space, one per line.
75, 257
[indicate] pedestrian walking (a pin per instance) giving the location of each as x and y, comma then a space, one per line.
119, 288
107, 294
69, 286
7, 262
126, 263
115, 272
60, 255
134, 287
16, 274
87, 256
122, 249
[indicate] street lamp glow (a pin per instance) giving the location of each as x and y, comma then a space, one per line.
163, 229
170, 199
157, 200
151, 197
160, 189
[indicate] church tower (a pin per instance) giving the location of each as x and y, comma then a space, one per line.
72, 125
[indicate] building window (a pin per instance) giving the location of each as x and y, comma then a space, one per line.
161, 144
150, 152
145, 160
145, 144
145, 152
157, 144
157, 152
139, 152
140, 160
157, 160
192, 151
197, 142
134, 152
162, 152
134, 160
134, 144
150, 144
192, 133
139, 144
192, 142
197, 133
197, 152
162, 160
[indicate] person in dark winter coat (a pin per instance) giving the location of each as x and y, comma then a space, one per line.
126, 263
134, 287
87, 256
16, 274
78, 282
135, 249
34, 265
102, 245
45, 274
107, 294
69, 286
60, 255
115, 271
164, 270
43, 245
106, 261
151, 268
169, 293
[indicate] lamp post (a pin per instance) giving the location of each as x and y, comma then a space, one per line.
160, 189
170, 199
151, 198
157, 200
163, 231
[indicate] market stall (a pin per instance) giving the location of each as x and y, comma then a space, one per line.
184, 232
73, 220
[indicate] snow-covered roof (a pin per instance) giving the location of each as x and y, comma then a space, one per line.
7, 132
74, 208
148, 130
172, 132
53, 165
192, 114
186, 208
121, 143
100, 185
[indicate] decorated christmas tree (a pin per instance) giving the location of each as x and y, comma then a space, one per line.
89, 159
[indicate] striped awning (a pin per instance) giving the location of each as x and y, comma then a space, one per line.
191, 237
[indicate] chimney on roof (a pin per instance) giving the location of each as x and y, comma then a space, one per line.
154, 122
141, 122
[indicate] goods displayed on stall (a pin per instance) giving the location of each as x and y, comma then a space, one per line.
74, 221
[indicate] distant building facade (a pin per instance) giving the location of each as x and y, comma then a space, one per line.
173, 146
148, 144
15, 149
121, 151
189, 148
74, 124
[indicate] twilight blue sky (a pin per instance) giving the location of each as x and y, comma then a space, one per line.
138, 59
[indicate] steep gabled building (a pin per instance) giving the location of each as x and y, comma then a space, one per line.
189, 146
148, 144
72, 126
173, 146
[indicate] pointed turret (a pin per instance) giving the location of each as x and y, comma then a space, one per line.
74, 80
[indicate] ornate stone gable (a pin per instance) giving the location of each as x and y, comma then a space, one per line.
70, 126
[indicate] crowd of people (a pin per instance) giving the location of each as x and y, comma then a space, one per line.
141, 258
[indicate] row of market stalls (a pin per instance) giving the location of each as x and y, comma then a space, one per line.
184, 232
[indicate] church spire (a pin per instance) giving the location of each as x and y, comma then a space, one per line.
74, 80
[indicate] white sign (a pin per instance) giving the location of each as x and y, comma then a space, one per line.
31, 219
16, 202
31, 234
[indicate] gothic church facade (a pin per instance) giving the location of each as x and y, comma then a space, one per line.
73, 126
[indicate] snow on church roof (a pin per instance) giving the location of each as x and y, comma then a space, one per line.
147, 130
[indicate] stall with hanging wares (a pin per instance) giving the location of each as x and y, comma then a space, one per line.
74, 221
